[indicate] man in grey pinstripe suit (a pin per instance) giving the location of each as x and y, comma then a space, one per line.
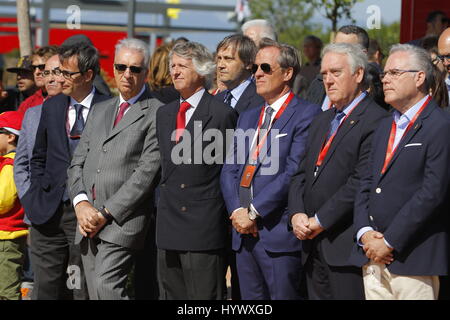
113, 175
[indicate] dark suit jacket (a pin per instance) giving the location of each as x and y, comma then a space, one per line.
50, 161
191, 211
248, 99
270, 189
332, 192
409, 203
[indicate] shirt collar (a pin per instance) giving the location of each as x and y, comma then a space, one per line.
355, 101
86, 101
132, 100
447, 80
194, 100
402, 119
239, 90
276, 106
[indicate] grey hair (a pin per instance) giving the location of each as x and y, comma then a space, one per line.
267, 30
135, 44
288, 58
420, 61
357, 58
201, 57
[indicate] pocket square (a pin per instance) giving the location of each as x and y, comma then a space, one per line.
413, 145
280, 135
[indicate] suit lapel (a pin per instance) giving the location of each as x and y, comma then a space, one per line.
62, 122
110, 116
409, 135
345, 128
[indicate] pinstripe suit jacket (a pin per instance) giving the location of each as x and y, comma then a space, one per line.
122, 163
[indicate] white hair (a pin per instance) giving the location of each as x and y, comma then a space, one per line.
135, 44
420, 60
267, 30
357, 58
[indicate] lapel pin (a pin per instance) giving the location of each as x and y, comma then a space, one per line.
416, 126
352, 122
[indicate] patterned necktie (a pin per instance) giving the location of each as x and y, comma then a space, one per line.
122, 108
78, 125
181, 119
228, 97
245, 194
335, 123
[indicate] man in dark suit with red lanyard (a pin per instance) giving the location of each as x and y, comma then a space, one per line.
401, 210
191, 223
255, 178
322, 192
47, 201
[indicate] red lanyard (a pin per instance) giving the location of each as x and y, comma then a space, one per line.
390, 147
258, 147
326, 147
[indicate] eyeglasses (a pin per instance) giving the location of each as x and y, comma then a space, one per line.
444, 58
64, 73
41, 67
55, 72
133, 69
265, 67
395, 73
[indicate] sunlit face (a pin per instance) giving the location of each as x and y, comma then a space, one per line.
444, 49
401, 89
128, 82
271, 84
230, 68
341, 84
38, 76
25, 81
185, 78
51, 84
77, 81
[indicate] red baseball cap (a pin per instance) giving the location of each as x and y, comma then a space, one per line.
11, 121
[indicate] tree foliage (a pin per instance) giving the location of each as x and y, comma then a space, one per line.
335, 10
386, 36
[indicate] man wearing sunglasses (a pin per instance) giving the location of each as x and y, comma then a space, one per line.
38, 60
113, 175
322, 192
255, 182
444, 55
47, 203
235, 57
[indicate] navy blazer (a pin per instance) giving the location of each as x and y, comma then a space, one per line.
51, 159
248, 99
409, 203
270, 188
331, 193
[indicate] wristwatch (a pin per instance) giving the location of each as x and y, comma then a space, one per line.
252, 214
105, 213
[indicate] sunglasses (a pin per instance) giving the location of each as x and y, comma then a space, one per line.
265, 67
3, 131
133, 69
41, 67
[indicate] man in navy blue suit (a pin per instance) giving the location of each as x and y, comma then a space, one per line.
268, 145
401, 210
235, 57
47, 202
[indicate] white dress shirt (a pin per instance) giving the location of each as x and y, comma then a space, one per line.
72, 114
193, 100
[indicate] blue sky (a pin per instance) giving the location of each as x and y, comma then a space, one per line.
390, 12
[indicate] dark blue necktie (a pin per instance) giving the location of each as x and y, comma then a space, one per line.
77, 128
245, 195
335, 123
228, 97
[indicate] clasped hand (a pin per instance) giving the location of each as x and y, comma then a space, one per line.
90, 220
242, 223
304, 227
376, 248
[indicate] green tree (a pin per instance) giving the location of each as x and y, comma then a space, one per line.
386, 36
335, 10
291, 18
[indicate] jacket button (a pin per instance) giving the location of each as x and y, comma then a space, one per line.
184, 209
182, 186
163, 185
98, 170
104, 150
378, 190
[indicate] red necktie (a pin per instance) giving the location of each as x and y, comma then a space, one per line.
123, 107
181, 119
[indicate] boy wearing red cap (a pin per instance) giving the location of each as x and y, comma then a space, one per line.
13, 231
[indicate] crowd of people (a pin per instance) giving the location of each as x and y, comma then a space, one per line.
323, 180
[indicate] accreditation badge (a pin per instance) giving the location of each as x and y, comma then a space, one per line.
247, 176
